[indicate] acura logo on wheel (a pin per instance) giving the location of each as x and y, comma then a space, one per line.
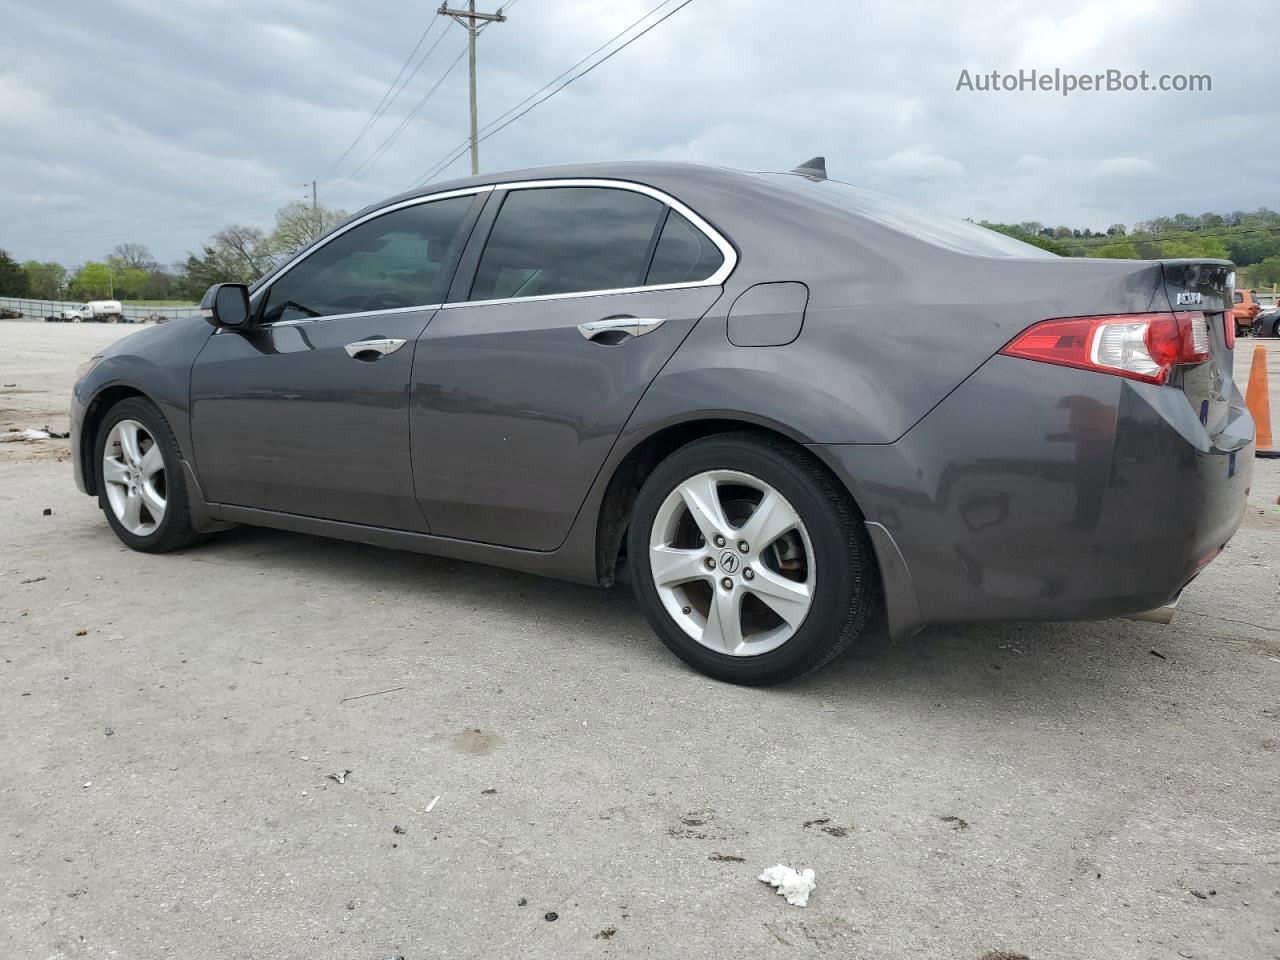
729, 562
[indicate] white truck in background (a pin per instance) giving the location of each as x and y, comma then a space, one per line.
99, 311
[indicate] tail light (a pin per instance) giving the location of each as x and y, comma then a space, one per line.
1140, 346
1229, 329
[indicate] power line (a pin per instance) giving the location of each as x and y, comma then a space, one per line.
357, 174
578, 76
392, 93
499, 118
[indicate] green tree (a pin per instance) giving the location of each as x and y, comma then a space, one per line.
14, 281
93, 281
1115, 251
297, 225
1266, 273
45, 279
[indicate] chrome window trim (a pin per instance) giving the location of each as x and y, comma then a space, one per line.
284, 268
727, 250
721, 274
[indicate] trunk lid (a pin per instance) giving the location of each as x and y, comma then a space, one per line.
1205, 286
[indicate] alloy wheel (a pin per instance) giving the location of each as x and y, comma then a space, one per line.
134, 477
732, 563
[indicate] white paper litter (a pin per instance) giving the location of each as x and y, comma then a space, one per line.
793, 885
16, 436
432, 805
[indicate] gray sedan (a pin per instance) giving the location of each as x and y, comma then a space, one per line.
772, 400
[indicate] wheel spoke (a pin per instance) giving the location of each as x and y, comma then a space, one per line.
672, 565
701, 496
772, 518
154, 502
113, 471
152, 461
132, 518
128, 434
788, 599
723, 631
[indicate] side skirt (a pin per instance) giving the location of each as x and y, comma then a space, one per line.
554, 564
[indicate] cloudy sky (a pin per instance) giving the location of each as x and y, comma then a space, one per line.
158, 122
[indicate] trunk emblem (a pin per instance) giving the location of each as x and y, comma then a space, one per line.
1187, 297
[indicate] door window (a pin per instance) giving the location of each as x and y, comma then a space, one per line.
684, 254
395, 260
552, 240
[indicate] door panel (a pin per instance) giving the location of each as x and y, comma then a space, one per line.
514, 410
284, 419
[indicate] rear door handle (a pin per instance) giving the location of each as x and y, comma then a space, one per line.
381, 347
635, 326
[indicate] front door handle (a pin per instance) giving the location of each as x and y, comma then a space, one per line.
634, 326
372, 349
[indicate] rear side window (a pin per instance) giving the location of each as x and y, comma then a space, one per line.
684, 254
395, 260
1238, 298
550, 240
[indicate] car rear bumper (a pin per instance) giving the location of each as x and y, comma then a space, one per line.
1039, 492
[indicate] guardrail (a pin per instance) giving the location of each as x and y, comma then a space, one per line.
39, 309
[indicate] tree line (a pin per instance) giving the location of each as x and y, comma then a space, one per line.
242, 253
237, 253
1251, 240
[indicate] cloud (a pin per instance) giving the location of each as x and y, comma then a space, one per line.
919, 162
158, 123
1127, 167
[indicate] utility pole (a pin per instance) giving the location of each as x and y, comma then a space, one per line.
468, 18
315, 208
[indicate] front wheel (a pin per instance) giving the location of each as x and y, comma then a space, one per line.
140, 484
751, 563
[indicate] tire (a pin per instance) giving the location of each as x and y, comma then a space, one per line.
824, 560
156, 483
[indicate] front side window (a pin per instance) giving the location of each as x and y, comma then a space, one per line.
395, 260
554, 240
684, 254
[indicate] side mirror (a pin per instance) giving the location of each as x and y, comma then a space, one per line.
226, 305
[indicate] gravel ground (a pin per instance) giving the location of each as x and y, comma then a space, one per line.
1072, 791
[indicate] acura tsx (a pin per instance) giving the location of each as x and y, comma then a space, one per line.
773, 400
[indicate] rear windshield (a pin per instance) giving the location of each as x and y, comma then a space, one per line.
959, 235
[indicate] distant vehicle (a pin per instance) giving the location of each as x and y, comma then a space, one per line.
7, 314
1245, 310
95, 311
716, 378
1267, 323
1266, 300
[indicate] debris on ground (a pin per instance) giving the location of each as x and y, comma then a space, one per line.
957, 823
339, 777
551, 915
21, 436
34, 579
489, 790
607, 933
109, 731
47, 512
82, 633
376, 693
727, 858
522, 902
816, 823
828, 827
1004, 955
399, 829
432, 805
794, 885
1157, 653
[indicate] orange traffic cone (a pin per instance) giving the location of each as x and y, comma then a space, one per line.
1258, 400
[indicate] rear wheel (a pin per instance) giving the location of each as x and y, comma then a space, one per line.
751, 563
140, 483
